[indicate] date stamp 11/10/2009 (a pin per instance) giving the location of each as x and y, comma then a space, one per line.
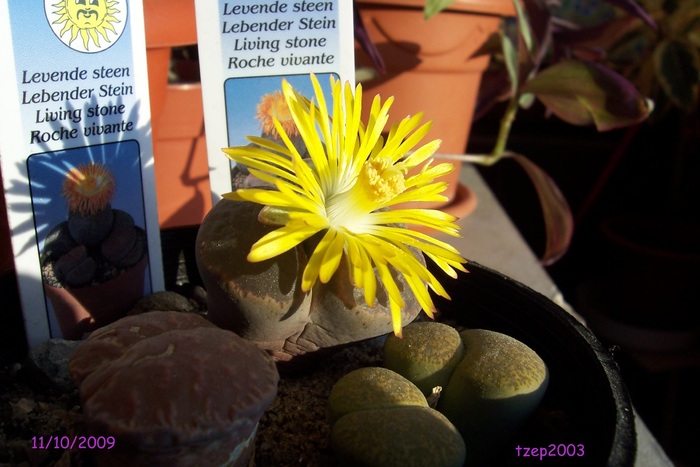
553, 450
73, 442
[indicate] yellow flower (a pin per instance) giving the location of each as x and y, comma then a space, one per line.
88, 188
344, 190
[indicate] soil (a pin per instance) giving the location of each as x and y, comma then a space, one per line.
293, 431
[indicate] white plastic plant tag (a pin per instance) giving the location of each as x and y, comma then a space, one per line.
77, 162
246, 49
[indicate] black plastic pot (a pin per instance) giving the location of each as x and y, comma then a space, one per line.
586, 405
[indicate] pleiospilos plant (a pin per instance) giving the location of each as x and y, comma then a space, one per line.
346, 265
352, 175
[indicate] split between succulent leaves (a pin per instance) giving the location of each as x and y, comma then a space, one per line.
489, 384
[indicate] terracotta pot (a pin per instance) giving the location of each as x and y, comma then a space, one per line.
168, 24
182, 170
177, 117
84, 309
431, 65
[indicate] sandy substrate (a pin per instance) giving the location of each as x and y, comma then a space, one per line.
293, 431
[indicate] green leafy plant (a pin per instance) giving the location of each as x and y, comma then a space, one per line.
543, 59
663, 62
539, 56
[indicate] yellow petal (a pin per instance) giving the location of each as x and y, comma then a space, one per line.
331, 258
421, 241
363, 270
313, 266
396, 318
428, 174
278, 241
385, 276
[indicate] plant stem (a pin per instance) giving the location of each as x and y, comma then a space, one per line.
504, 130
499, 150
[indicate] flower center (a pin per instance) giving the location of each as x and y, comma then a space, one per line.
274, 106
380, 180
88, 188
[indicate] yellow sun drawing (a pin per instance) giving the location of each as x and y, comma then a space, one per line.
89, 19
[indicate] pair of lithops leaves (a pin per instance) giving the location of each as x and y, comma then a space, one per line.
487, 385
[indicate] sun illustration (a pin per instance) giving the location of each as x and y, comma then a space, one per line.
92, 20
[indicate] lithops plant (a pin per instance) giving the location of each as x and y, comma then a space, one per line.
372, 388
88, 189
379, 418
491, 383
426, 355
95, 245
493, 390
172, 389
109, 342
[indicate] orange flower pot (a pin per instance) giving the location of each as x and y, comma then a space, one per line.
432, 66
182, 170
177, 117
84, 309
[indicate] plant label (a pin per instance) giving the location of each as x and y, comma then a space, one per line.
246, 49
77, 162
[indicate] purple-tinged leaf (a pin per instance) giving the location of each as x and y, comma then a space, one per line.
539, 17
584, 93
362, 37
602, 36
491, 46
677, 66
495, 87
632, 7
498, 83
558, 220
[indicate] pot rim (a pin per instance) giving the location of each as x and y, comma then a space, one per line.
560, 339
487, 7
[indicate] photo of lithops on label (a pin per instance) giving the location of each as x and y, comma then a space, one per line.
91, 234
